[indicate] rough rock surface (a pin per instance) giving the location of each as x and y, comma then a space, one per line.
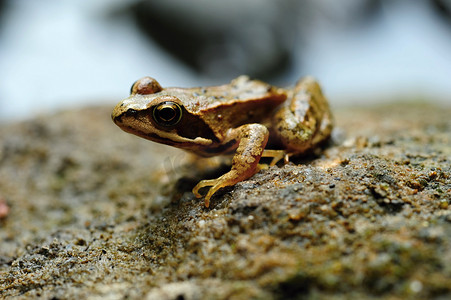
87, 211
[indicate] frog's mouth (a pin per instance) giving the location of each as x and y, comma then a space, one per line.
165, 137
141, 127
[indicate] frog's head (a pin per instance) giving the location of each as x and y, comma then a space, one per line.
159, 115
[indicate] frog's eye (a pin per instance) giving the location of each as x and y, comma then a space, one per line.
167, 113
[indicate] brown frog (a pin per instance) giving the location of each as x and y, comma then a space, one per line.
241, 117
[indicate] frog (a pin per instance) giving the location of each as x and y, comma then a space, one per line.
247, 118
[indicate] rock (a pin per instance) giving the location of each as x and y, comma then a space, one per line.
95, 213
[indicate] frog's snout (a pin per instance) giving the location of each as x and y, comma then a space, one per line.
118, 112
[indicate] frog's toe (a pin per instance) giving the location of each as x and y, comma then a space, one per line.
276, 156
262, 167
201, 184
210, 193
215, 184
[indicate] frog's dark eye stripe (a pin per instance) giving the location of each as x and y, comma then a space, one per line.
131, 113
167, 113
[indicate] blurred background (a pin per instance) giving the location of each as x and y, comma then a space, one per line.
59, 54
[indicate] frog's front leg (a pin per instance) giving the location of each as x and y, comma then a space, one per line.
251, 139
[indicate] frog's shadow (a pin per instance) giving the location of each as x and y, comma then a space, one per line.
187, 181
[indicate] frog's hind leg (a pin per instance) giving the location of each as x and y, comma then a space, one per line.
252, 139
305, 120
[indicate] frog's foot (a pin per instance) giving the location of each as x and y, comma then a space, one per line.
215, 186
276, 156
227, 179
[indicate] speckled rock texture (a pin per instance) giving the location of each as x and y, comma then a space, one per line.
90, 212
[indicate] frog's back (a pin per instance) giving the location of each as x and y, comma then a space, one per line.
239, 91
240, 102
